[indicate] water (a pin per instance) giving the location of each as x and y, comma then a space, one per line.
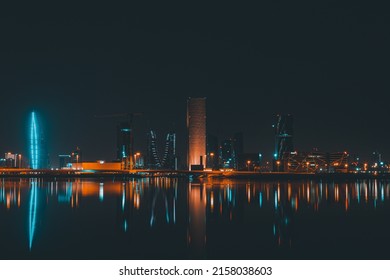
165, 218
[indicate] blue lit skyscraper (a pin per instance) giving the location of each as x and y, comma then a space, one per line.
34, 148
38, 154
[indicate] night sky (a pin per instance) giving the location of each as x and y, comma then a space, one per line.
326, 63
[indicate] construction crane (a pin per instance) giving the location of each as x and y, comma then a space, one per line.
125, 141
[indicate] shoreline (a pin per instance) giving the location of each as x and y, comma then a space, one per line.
29, 173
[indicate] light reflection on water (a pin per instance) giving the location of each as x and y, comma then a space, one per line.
175, 218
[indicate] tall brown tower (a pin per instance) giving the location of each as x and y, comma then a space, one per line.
196, 126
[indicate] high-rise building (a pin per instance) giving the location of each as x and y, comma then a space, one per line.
152, 158
13, 160
124, 146
238, 143
196, 126
169, 159
283, 139
39, 157
227, 154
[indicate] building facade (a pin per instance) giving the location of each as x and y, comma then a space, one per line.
196, 126
284, 144
124, 147
168, 159
39, 157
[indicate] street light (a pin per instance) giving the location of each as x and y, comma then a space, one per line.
248, 163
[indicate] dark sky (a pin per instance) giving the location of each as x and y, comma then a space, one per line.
326, 63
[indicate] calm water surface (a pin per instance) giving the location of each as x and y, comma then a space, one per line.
164, 218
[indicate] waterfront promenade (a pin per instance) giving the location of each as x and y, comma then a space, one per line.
136, 173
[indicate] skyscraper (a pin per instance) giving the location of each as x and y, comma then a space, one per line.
238, 143
38, 153
124, 148
283, 139
196, 126
227, 154
168, 160
34, 147
152, 158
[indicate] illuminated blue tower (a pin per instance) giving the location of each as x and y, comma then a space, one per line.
38, 153
34, 150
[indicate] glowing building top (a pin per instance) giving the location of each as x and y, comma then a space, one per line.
196, 125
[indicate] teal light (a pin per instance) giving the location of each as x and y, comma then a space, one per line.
261, 200
32, 212
101, 191
34, 142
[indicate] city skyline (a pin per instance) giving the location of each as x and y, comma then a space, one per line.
224, 133
154, 155
325, 66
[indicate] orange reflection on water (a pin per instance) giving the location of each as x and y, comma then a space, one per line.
197, 217
212, 201
248, 193
8, 200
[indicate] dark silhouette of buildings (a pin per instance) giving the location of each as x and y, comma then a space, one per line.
249, 161
169, 158
64, 161
212, 149
283, 140
238, 143
227, 154
125, 144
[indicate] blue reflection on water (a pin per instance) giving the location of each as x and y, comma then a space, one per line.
32, 211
